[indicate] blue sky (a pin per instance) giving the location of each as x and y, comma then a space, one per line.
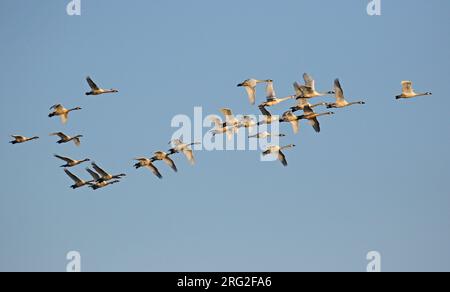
374, 179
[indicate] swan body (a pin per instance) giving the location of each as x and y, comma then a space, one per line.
250, 87
278, 151
98, 183
408, 91
78, 182
265, 135
302, 101
340, 98
181, 147
66, 139
62, 112
104, 176
71, 162
21, 139
272, 98
95, 90
147, 163
309, 89
163, 156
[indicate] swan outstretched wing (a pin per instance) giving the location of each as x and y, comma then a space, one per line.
309, 81
92, 84
282, 158
60, 135
94, 175
170, 163
66, 159
407, 87
99, 170
339, 92
270, 91
73, 177
315, 124
251, 92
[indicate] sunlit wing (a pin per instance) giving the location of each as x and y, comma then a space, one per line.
407, 87
309, 81
315, 124
92, 84
171, 163
251, 91
270, 92
66, 159
72, 176
282, 158
99, 170
339, 93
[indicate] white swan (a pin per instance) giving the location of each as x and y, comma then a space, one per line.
312, 117
340, 98
71, 162
278, 150
309, 89
250, 87
265, 135
302, 101
408, 91
180, 147
67, 139
272, 98
106, 176
98, 183
145, 162
62, 112
95, 90
163, 156
21, 139
78, 182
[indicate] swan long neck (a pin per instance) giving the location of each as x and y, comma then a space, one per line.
288, 98
327, 93
319, 104
325, 114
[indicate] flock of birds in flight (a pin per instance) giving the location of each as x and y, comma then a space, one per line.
303, 94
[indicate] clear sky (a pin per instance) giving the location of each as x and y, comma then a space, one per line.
376, 178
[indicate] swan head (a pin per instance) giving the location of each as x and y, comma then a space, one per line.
77, 108
428, 93
114, 90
